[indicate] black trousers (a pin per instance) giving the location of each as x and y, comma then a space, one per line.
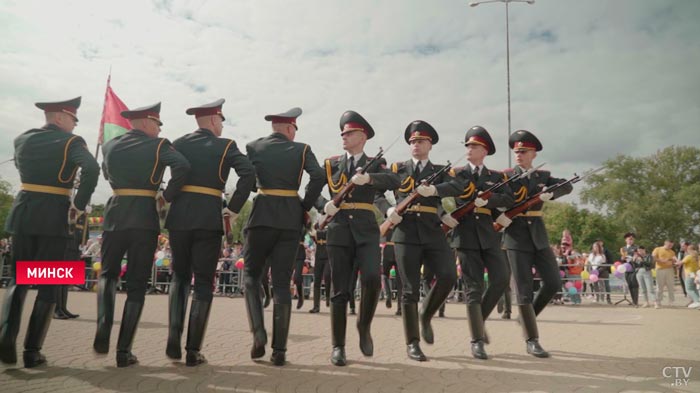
298, 277
473, 263
280, 246
36, 248
196, 251
365, 257
544, 261
140, 246
437, 257
322, 271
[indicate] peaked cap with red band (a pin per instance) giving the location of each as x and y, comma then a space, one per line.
524, 140
353, 121
288, 117
419, 129
478, 135
211, 109
145, 112
69, 106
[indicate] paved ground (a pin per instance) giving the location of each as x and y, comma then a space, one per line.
594, 347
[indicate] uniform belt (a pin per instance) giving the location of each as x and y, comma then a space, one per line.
46, 189
278, 192
356, 206
482, 210
535, 213
202, 190
135, 192
421, 209
389, 243
320, 242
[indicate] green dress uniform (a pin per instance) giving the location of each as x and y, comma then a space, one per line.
419, 240
274, 228
476, 243
527, 244
195, 226
47, 159
133, 164
353, 238
322, 270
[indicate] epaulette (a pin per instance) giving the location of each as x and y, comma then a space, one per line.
396, 166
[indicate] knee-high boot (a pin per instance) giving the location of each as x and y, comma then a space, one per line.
179, 292
106, 296
10, 320
197, 327
127, 332
36, 333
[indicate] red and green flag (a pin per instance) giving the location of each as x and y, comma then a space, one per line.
112, 124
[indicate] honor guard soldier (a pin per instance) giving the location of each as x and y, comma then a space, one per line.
526, 238
389, 263
47, 159
322, 269
195, 224
476, 243
418, 236
353, 233
298, 277
274, 226
133, 164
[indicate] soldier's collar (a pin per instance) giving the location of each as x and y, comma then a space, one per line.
206, 131
53, 127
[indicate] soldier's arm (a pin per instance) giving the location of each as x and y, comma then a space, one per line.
381, 202
503, 197
382, 178
449, 186
179, 168
561, 191
89, 171
320, 203
246, 177
317, 179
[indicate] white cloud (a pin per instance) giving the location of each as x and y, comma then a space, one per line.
592, 79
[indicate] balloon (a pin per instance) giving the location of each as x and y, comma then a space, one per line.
594, 278
392, 272
562, 274
628, 267
486, 276
578, 285
160, 255
617, 263
573, 291
124, 262
621, 269
594, 272
613, 269
585, 275
653, 273
166, 262
97, 266
121, 274
159, 262
568, 285
239, 264
619, 274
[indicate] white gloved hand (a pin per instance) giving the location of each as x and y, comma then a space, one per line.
427, 191
504, 221
546, 196
228, 212
360, 179
331, 209
77, 211
393, 216
448, 220
88, 209
478, 202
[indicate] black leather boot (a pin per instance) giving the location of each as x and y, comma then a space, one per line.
387, 290
197, 327
368, 305
64, 303
317, 299
256, 320
36, 333
431, 304
10, 320
106, 296
266, 292
529, 322
339, 319
58, 312
300, 296
412, 332
476, 326
127, 332
179, 292
281, 315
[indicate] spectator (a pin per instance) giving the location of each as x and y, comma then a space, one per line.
604, 272
665, 258
643, 264
681, 255
690, 266
576, 264
596, 260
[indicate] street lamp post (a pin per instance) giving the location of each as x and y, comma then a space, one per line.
506, 2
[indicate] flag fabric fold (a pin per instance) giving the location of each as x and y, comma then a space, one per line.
112, 124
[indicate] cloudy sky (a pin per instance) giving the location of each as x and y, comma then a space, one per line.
591, 78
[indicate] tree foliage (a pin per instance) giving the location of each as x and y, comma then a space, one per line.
657, 197
585, 226
7, 198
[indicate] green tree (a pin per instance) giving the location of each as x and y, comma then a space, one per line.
657, 197
7, 198
586, 227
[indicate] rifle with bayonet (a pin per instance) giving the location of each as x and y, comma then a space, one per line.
486, 194
411, 198
535, 199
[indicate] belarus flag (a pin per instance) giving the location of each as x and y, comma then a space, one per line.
112, 124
